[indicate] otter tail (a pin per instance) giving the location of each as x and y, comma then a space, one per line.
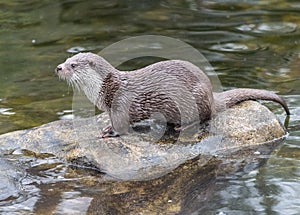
229, 98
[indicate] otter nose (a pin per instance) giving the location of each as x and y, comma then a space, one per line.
58, 68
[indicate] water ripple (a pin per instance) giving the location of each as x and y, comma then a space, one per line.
272, 27
235, 47
214, 37
6, 111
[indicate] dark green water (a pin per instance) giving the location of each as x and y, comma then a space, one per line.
249, 43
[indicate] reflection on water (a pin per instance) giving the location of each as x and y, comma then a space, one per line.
249, 43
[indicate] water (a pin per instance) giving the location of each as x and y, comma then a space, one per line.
249, 44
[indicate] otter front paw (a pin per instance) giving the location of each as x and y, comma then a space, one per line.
108, 132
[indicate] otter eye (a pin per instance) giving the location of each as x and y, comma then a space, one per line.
73, 65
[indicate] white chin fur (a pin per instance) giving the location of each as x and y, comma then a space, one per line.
88, 81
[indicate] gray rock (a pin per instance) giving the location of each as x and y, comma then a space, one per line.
145, 155
172, 175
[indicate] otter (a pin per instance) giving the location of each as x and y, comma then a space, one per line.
178, 90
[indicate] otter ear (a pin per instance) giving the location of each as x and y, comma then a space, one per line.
91, 63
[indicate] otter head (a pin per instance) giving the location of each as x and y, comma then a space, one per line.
76, 67
85, 71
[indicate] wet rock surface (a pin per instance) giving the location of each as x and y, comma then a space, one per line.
143, 173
